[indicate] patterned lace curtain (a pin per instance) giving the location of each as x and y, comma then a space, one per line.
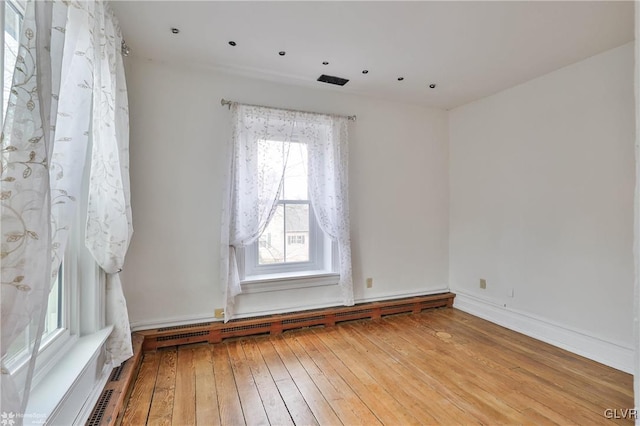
109, 220
60, 85
255, 180
329, 193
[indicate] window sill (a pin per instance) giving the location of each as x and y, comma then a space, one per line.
48, 398
289, 281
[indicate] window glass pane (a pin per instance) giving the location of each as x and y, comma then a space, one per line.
52, 320
295, 176
12, 22
22, 346
297, 233
270, 161
271, 242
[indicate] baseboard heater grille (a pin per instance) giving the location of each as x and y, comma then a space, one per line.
99, 409
215, 332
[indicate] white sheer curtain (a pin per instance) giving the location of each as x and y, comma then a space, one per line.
254, 184
109, 225
66, 51
329, 193
25, 195
255, 179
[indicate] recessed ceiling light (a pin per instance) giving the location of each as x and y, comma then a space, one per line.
432, 86
175, 30
400, 78
365, 71
325, 63
232, 43
282, 53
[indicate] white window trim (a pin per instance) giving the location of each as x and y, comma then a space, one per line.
277, 282
327, 275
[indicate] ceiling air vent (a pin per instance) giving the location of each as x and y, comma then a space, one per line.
333, 80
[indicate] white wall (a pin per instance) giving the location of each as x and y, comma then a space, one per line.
542, 181
179, 131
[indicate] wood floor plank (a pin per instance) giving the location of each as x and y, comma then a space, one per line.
252, 407
575, 388
479, 376
368, 360
436, 367
322, 409
228, 399
347, 405
137, 409
273, 403
460, 389
161, 411
184, 405
485, 370
374, 397
466, 384
293, 399
207, 411
355, 368
551, 356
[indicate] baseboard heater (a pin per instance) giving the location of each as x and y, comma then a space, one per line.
116, 391
215, 332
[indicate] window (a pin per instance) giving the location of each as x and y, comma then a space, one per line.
55, 320
295, 239
64, 320
285, 168
56, 378
292, 243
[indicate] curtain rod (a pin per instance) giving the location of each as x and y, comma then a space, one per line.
224, 102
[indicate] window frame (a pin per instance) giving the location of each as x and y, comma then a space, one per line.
53, 344
320, 270
82, 285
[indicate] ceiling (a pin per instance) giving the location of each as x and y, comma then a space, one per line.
468, 49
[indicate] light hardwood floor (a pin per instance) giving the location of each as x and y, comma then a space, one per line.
437, 367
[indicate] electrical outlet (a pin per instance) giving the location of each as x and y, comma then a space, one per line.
483, 283
369, 282
218, 313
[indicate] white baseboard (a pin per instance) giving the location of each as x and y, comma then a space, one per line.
609, 353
